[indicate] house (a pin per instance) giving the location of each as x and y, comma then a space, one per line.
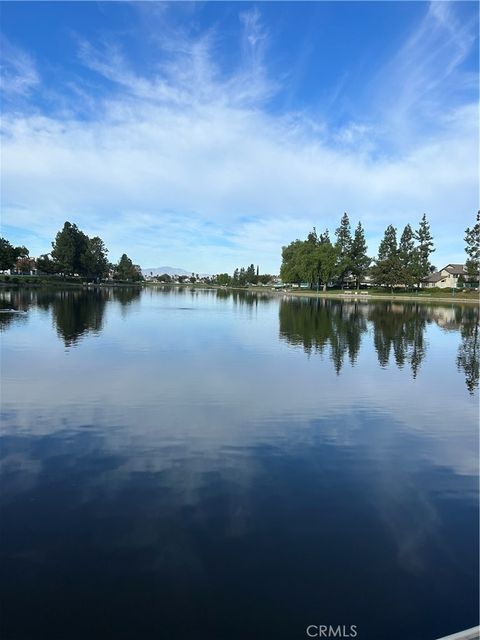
25, 266
447, 278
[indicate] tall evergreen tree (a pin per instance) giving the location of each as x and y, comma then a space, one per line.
408, 256
472, 239
359, 261
424, 249
250, 273
343, 245
324, 238
387, 269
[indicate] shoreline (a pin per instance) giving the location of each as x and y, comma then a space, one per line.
293, 293
365, 297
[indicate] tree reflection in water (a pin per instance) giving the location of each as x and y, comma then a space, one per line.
467, 358
315, 324
397, 328
75, 312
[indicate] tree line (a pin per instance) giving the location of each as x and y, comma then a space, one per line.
319, 262
242, 277
73, 253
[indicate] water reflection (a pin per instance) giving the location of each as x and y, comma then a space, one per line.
186, 469
398, 331
316, 324
75, 312
468, 351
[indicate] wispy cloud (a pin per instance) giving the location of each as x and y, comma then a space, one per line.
183, 71
18, 72
182, 157
426, 78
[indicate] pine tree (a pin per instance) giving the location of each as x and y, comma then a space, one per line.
250, 274
343, 245
424, 249
387, 268
472, 238
359, 261
324, 237
408, 256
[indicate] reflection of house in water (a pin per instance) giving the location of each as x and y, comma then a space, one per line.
446, 317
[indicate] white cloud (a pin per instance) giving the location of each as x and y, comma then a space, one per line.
426, 77
183, 165
18, 73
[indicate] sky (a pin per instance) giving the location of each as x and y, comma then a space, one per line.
208, 135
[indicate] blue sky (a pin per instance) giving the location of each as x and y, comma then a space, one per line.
208, 135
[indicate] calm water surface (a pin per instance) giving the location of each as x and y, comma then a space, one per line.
185, 464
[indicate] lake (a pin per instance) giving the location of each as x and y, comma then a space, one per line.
179, 463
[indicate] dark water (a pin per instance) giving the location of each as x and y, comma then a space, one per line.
184, 464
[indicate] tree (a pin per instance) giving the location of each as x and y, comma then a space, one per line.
223, 279
359, 261
8, 254
407, 254
343, 245
324, 238
264, 278
68, 249
291, 269
94, 261
472, 239
468, 356
46, 265
309, 259
328, 262
127, 271
23, 263
421, 265
387, 270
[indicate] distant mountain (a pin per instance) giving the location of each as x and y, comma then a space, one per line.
172, 271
